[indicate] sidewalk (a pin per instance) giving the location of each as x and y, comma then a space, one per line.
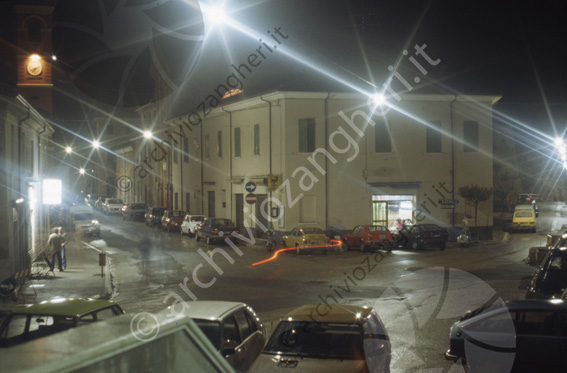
81, 279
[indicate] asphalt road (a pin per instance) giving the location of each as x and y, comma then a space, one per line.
418, 294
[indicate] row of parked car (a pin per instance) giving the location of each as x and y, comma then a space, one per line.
347, 338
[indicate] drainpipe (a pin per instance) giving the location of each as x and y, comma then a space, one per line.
326, 115
453, 161
270, 154
229, 157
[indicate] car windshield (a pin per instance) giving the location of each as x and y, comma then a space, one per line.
211, 330
377, 228
177, 214
115, 201
523, 214
83, 216
197, 218
138, 206
312, 231
317, 339
221, 223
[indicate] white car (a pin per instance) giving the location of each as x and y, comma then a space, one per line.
232, 327
190, 223
112, 206
86, 222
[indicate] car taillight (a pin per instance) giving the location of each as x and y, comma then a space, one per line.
214, 231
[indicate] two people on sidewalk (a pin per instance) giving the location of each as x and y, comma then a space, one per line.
56, 243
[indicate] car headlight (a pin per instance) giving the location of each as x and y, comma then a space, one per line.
95, 222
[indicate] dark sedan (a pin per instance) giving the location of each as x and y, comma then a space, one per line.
418, 236
550, 277
215, 229
517, 336
153, 216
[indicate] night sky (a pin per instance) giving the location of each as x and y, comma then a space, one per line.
516, 49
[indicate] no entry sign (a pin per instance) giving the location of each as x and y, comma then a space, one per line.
251, 198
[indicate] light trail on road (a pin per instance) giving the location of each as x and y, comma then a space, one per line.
334, 243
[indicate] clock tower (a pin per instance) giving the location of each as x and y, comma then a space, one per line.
35, 53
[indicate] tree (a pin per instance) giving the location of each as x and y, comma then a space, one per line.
475, 194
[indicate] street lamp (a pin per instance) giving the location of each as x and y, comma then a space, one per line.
96, 144
68, 150
82, 171
148, 134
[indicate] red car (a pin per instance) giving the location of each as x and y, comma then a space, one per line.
172, 220
366, 237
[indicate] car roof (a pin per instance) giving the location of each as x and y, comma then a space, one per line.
64, 307
537, 304
211, 309
336, 313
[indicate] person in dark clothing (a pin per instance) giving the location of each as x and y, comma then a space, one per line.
56, 241
144, 248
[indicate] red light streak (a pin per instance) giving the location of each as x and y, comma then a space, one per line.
277, 252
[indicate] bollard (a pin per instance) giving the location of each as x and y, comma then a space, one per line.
102, 263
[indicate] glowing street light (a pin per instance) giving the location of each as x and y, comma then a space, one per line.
214, 14
82, 171
148, 134
68, 150
379, 99
96, 144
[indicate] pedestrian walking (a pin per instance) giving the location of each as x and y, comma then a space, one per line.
56, 242
144, 247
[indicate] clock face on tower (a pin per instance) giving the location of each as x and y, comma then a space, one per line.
34, 67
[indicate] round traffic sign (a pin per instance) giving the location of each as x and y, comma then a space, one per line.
251, 198
250, 186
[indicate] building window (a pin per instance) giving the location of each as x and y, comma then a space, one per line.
256, 139
383, 141
433, 137
470, 136
237, 142
206, 146
185, 149
306, 135
219, 144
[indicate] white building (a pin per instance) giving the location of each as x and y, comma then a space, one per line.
324, 159
24, 219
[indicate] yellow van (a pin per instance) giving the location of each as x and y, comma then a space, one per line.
524, 220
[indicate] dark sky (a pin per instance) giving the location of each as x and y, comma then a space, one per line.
516, 49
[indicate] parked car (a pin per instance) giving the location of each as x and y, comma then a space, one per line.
134, 211
215, 229
86, 223
523, 220
526, 198
232, 327
42, 319
345, 338
418, 236
153, 216
516, 336
112, 206
190, 224
307, 239
171, 220
550, 277
364, 237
